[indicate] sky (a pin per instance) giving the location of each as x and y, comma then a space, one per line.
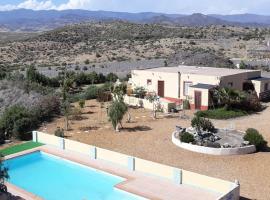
164, 6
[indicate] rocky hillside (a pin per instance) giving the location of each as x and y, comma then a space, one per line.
12, 93
122, 41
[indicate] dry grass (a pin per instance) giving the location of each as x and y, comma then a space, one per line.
151, 139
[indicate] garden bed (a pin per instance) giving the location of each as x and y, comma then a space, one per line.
237, 150
221, 113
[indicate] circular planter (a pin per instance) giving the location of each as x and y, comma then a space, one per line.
213, 151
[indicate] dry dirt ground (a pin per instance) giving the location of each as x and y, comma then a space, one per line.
150, 139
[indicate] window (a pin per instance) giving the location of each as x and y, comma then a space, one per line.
266, 85
149, 82
230, 84
186, 87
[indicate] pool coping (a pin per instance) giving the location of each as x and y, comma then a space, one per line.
30, 196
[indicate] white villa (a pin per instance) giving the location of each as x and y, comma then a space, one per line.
176, 84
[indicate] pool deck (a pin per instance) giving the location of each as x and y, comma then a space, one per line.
150, 187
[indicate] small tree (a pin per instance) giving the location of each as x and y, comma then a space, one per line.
117, 109
139, 92
66, 85
3, 175
116, 113
153, 98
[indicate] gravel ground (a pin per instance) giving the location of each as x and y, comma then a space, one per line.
151, 139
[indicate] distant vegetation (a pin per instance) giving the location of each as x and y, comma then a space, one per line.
27, 101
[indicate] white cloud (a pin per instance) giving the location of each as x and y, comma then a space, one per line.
37, 5
47, 5
74, 4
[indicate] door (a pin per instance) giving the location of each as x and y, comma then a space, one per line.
161, 88
198, 100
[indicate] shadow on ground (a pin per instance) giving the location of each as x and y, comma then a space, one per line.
136, 128
244, 198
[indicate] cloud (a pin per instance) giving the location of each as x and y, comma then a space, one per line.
48, 5
75, 4
167, 6
37, 5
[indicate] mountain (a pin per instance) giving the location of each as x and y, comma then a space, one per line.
196, 19
245, 18
24, 20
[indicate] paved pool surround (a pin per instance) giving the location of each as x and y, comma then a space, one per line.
136, 183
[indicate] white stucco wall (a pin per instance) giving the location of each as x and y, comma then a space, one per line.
205, 96
139, 79
196, 79
171, 82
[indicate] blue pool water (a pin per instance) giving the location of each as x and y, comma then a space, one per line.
53, 178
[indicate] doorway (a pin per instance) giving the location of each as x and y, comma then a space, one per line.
161, 88
198, 100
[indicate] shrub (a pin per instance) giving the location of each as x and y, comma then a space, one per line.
111, 77
81, 103
87, 62
59, 132
22, 128
104, 96
91, 92
139, 92
255, 138
201, 123
15, 118
47, 108
187, 138
221, 113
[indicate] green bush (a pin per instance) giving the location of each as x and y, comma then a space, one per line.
111, 77
15, 118
18, 121
59, 132
81, 103
139, 92
187, 138
22, 128
91, 92
255, 138
201, 123
221, 113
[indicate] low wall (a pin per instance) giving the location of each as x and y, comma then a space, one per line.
133, 101
176, 175
213, 151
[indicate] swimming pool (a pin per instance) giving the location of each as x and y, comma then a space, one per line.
53, 178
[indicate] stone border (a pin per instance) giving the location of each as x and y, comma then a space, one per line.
214, 151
